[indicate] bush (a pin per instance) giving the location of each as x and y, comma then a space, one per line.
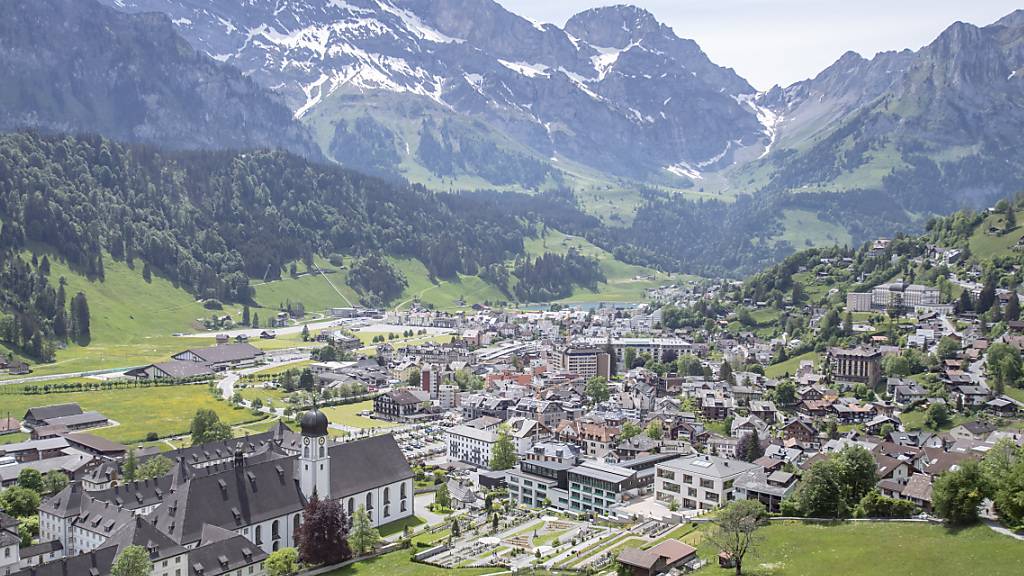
213, 304
152, 437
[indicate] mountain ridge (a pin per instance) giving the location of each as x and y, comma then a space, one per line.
76, 66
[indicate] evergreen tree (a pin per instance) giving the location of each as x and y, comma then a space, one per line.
964, 303
81, 330
442, 498
255, 319
130, 467
147, 273
305, 333
1011, 219
503, 454
245, 315
364, 537
725, 372
1013, 307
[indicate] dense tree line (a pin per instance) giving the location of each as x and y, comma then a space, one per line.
448, 150
552, 276
209, 221
37, 313
376, 280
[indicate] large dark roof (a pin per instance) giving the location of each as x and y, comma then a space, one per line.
92, 563
230, 497
53, 411
221, 552
141, 532
176, 369
364, 464
226, 353
95, 443
280, 434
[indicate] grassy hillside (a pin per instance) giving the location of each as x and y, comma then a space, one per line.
133, 321
988, 240
626, 282
804, 229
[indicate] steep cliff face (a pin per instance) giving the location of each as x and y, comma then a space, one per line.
615, 90
77, 66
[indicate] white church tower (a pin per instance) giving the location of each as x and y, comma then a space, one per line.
314, 460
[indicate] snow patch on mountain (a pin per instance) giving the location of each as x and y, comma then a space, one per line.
684, 170
525, 68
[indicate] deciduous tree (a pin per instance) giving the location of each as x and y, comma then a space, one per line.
735, 527
322, 537
132, 561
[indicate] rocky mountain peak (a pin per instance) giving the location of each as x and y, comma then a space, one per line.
615, 26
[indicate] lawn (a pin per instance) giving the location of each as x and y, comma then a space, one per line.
790, 366
276, 395
166, 410
347, 416
13, 438
399, 564
399, 525
870, 549
915, 420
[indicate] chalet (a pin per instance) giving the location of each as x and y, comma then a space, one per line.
658, 559
402, 404
800, 430
765, 410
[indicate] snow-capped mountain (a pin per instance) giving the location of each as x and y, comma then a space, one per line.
439, 83
77, 66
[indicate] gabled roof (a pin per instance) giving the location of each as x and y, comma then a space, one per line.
52, 411
380, 461
141, 532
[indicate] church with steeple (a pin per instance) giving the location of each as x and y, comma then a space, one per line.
258, 492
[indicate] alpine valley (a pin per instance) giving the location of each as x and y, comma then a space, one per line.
611, 131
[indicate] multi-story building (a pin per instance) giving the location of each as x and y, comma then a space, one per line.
855, 365
586, 362
698, 482
899, 293
596, 487
660, 349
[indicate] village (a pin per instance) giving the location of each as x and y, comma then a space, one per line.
573, 438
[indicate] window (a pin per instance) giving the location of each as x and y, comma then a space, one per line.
403, 506
402, 491
295, 525
322, 451
369, 501
351, 506
387, 497
705, 483
387, 510
275, 531
305, 452
259, 535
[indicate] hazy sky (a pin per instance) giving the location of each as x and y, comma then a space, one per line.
782, 41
